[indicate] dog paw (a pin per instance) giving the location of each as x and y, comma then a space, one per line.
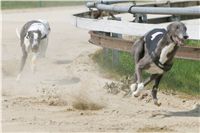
156, 102
133, 87
140, 88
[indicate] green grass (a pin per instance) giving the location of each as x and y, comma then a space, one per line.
37, 4
183, 77
195, 43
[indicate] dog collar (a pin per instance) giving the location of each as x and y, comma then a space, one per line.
173, 40
165, 67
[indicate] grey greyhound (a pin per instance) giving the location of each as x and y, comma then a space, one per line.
33, 38
154, 52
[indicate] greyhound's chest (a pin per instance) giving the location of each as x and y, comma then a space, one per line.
154, 69
165, 51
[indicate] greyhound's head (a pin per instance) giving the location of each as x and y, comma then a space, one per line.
34, 39
177, 32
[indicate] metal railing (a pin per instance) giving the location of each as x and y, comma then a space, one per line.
144, 10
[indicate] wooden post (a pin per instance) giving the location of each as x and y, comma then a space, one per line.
40, 3
115, 52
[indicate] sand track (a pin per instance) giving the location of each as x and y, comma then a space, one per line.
66, 93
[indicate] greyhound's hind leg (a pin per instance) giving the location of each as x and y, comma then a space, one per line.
141, 65
138, 52
137, 87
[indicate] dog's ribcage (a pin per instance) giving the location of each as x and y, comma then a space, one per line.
154, 69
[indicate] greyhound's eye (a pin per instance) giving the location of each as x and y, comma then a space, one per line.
27, 37
177, 27
31, 37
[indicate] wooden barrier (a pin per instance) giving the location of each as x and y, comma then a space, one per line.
184, 52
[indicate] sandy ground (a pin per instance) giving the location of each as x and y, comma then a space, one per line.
68, 81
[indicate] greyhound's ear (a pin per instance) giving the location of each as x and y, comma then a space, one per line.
169, 27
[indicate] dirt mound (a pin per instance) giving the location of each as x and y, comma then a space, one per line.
88, 99
85, 104
122, 86
51, 96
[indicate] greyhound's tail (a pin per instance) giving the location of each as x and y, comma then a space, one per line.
17, 32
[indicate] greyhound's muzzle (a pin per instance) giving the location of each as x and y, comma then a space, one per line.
185, 37
180, 40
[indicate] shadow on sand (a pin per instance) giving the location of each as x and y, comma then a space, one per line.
191, 113
195, 112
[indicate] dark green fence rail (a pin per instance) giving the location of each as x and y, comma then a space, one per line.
37, 4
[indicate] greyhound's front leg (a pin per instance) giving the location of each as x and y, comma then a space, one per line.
148, 80
23, 61
33, 62
154, 90
43, 47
